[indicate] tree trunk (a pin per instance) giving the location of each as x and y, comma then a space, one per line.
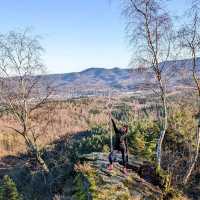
36, 154
163, 131
196, 80
42, 162
195, 157
159, 147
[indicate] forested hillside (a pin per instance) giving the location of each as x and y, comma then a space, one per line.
98, 81
64, 154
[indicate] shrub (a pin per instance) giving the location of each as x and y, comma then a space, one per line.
97, 140
8, 190
142, 139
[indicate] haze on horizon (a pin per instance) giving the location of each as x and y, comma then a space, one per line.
75, 34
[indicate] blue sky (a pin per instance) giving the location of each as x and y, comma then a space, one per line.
77, 34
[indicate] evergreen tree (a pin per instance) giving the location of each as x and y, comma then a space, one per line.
8, 189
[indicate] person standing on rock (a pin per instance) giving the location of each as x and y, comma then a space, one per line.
120, 145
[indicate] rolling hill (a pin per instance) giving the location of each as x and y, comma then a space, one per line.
98, 81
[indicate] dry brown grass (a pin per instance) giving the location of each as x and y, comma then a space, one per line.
84, 168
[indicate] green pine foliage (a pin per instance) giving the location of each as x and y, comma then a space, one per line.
142, 138
8, 190
97, 140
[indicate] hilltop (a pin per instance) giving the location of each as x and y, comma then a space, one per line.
97, 81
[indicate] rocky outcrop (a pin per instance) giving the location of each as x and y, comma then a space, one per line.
94, 181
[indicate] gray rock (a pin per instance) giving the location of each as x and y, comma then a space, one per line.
115, 185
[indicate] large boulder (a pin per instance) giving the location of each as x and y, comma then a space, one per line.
94, 181
144, 181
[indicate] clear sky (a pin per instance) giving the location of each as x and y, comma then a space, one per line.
77, 34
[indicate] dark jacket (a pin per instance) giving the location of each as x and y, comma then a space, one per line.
120, 139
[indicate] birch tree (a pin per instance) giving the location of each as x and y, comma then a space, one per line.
150, 31
189, 36
22, 93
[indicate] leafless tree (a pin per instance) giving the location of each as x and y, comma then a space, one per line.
189, 36
23, 94
150, 30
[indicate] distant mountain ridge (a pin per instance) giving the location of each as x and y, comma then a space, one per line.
176, 73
